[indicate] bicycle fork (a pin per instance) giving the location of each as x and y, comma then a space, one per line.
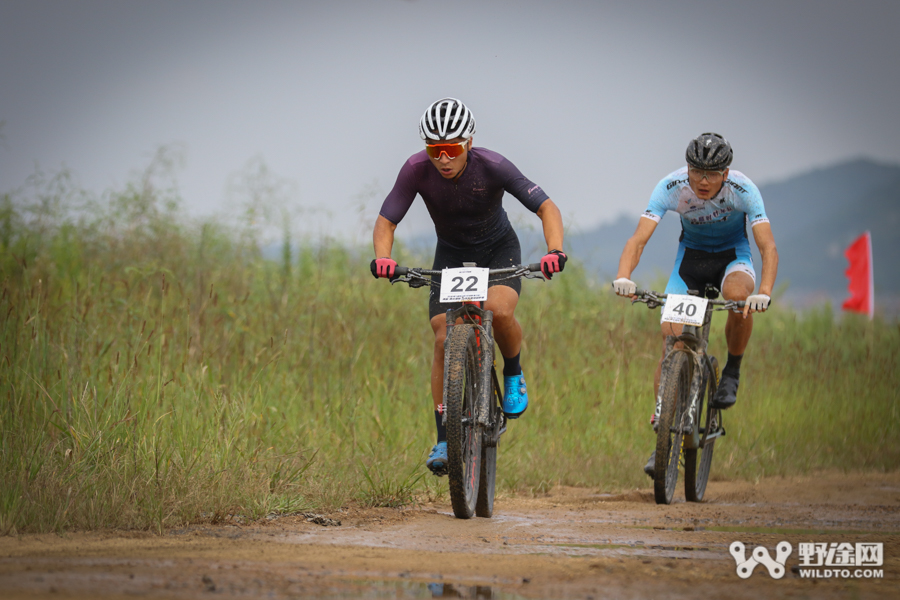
690, 426
688, 422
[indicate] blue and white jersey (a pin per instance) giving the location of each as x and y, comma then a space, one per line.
709, 225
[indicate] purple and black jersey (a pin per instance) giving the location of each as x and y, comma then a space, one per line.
467, 212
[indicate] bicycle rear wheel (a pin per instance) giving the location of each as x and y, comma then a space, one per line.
484, 507
674, 386
461, 387
696, 468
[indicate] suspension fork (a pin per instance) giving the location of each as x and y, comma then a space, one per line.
482, 320
690, 424
484, 338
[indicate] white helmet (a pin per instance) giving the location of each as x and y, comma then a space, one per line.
446, 119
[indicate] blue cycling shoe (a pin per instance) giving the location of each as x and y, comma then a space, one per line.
437, 460
515, 396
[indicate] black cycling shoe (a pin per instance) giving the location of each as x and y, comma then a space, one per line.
726, 395
650, 467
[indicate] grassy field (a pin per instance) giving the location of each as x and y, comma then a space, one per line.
156, 371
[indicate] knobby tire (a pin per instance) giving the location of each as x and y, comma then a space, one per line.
461, 386
696, 472
674, 386
484, 507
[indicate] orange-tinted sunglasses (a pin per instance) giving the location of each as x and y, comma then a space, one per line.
451, 150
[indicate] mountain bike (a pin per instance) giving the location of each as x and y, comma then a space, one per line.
685, 422
472, 396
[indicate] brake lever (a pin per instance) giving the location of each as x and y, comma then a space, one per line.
413, 280
534, 275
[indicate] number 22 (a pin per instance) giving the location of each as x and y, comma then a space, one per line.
459, 281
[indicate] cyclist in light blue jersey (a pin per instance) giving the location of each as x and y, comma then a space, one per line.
715, 204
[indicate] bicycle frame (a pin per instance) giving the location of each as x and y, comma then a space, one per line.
695, 341
472, 313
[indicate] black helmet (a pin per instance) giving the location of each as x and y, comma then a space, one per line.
709, 151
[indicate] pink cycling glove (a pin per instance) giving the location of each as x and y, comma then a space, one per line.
553, 262
383, 267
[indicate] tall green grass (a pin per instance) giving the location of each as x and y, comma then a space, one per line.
156, 371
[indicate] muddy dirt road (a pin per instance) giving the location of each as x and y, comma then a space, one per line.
572, 543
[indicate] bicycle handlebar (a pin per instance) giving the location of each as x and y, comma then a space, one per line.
654, 299
417, 275
532, 268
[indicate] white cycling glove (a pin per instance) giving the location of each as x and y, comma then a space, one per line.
624, 286
758, 302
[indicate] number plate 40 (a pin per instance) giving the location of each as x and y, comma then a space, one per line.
466, 283
688, 310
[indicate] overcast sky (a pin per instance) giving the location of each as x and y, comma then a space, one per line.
595, 101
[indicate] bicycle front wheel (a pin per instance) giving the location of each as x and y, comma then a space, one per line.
674, 386
696, 468
461, 387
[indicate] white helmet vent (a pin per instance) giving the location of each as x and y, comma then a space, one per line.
447, 119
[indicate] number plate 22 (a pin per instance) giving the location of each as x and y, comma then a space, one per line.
687, 310
466, 283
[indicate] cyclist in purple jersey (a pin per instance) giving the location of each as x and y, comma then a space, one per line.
463, 189
715, 205
467, 210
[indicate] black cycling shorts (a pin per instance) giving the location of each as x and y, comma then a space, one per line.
503, 253
696, 268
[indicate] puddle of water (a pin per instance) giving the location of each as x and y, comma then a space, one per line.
364, 590
788, 531
636, 546
768, 530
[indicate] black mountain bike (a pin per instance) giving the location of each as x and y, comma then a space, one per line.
685, 422
472, 394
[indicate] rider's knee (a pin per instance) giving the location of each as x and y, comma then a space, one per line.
737, 294
438, 325
503, 315
737, 286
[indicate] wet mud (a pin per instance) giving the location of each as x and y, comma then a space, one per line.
570, 543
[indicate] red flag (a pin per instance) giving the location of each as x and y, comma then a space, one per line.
862, 285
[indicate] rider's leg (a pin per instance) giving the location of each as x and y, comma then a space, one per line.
439, 326
437, 460
502, 302
736, 286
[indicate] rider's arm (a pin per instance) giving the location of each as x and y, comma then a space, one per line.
634, 247
383, 237
551, 220
765, 241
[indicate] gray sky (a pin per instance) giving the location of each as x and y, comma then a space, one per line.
593, 100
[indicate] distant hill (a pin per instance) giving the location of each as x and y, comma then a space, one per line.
814, 217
